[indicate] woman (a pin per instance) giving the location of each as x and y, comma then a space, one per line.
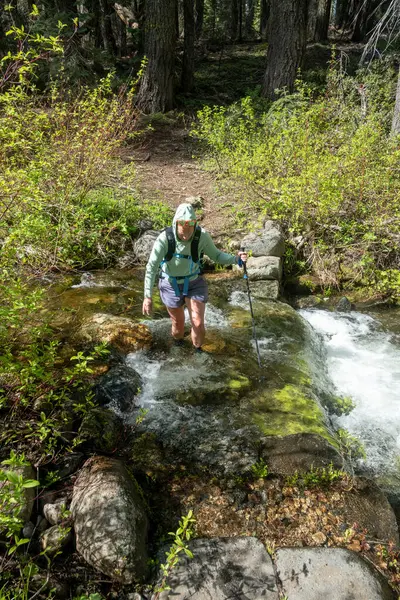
178, 251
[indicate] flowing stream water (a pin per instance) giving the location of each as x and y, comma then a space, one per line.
215, 408
363, 361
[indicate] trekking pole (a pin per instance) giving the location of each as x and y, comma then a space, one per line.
246, 277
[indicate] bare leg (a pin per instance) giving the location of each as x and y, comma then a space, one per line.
196, 312
178, 322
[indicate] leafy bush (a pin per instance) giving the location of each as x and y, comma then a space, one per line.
324, 167
65, 198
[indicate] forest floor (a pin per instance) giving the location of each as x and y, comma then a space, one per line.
168, 170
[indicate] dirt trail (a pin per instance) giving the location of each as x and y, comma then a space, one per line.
167, 171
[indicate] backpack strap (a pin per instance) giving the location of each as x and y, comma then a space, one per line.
194, 249
171, 243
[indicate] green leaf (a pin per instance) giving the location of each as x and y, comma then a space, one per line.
30, 483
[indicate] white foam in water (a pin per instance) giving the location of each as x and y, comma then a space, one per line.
149, 370
363, 363
239, 299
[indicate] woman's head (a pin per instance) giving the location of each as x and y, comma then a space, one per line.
185, 222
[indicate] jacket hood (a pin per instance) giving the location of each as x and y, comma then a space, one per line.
184, 212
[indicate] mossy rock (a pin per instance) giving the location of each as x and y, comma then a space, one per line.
101, 428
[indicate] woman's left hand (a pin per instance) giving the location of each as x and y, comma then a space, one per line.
242, 255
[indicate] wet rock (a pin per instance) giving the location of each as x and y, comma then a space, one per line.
54, 513
329, 573
122, 333
298, 452
344, 305
120, 385
268, 241
28, 494
264, 267
101, 428
144, 245
265, 290
370, 509
223, 568
308, 302
55, 538
109, 519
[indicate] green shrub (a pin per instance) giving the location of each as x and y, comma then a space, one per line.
322, 167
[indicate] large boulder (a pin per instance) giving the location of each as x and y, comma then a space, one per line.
110, 520
268, 241
222, 568
329, 573
125, 335
144, 245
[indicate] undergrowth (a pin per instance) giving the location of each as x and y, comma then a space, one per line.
323, 166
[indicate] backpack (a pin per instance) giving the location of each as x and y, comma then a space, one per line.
194, 247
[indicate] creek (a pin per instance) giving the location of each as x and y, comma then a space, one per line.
215, 410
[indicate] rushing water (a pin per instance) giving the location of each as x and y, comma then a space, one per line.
208, 403
363, 360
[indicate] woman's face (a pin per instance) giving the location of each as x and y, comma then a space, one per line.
185, 229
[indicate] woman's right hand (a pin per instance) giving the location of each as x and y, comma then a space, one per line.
147, 308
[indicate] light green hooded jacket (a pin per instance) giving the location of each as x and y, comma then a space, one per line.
181, 267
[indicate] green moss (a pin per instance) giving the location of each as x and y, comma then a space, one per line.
239, 382
288, 411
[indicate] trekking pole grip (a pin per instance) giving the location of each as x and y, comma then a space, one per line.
244, 262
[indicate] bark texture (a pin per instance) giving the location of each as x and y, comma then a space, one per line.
318, 20
287, 41
156, 92
188, 46
264, 16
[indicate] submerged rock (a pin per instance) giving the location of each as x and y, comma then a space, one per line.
344, 305
120, 385
123, 334
110, 520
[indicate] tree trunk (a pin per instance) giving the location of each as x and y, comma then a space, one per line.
340, 13
250, 7
188, 46
156, 92
199, 18
105, 27
234, 20
287, 29
318, 17
264, 16
396, 115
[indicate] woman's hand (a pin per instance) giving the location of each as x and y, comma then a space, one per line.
242, 255
147, 307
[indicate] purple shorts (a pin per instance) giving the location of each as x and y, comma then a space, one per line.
198, 290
